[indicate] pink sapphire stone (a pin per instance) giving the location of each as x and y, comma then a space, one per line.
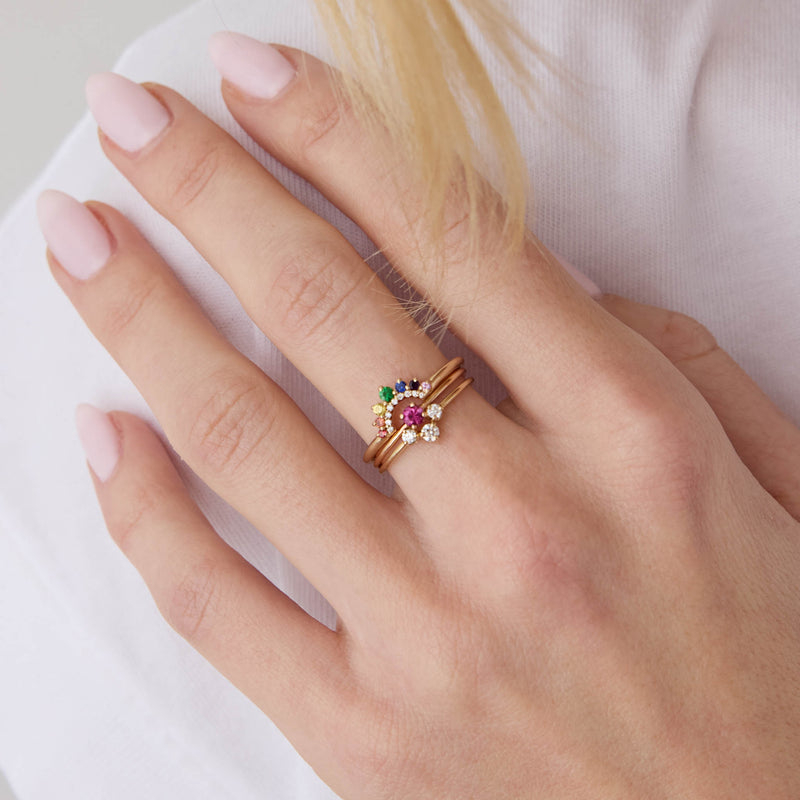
412, 415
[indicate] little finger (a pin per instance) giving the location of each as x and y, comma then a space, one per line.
286, 662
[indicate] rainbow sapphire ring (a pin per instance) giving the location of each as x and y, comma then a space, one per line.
411, 411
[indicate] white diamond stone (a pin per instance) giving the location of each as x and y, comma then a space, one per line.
430, 432
409, 436
434, 411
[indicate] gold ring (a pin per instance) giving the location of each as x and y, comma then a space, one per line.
401, 424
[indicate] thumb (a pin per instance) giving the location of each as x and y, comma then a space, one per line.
766, 441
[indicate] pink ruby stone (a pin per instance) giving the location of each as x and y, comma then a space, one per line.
412, 415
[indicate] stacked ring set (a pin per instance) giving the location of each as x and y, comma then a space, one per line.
411, 411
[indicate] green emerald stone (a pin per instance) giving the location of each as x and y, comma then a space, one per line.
386, 393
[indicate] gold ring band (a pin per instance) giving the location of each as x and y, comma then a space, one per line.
428, 399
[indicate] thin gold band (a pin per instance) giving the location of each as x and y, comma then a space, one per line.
384, 458
436, 381
386, 444
382, 450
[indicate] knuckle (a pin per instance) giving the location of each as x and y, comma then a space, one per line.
664, 448
128, 304
449, 238
532, 540
192, 175
314, 293
231, 424
317, 125
657, 419
126, 520
456, 230
192, 601
683, 338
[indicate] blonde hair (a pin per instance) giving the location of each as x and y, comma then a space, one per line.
410, 68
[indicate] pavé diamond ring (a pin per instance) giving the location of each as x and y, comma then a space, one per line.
411, 410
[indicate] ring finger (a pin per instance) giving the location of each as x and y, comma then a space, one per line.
240, 433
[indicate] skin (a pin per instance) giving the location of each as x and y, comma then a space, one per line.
601, 599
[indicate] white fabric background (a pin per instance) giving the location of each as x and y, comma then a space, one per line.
47, 48
673, 177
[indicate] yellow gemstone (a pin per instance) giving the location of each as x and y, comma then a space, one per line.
379, 409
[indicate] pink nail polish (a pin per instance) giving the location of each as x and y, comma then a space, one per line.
99, 439
584, 280
254, 67
74, 235
125, 111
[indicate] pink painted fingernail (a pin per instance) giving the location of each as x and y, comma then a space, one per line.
99, 439
254, 67
125, 111
74, 235
584, 280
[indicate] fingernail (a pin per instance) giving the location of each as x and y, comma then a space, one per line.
99, 439
125, 111
584, 280
73, 234
254, 67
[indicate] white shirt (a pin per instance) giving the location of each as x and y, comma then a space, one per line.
673, 178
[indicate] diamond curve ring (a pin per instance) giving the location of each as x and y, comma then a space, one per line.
401, 424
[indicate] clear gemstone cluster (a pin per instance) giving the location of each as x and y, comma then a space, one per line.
412, 415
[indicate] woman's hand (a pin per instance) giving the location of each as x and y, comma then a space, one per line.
593, 594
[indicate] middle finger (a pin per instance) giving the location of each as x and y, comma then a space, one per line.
296, 275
